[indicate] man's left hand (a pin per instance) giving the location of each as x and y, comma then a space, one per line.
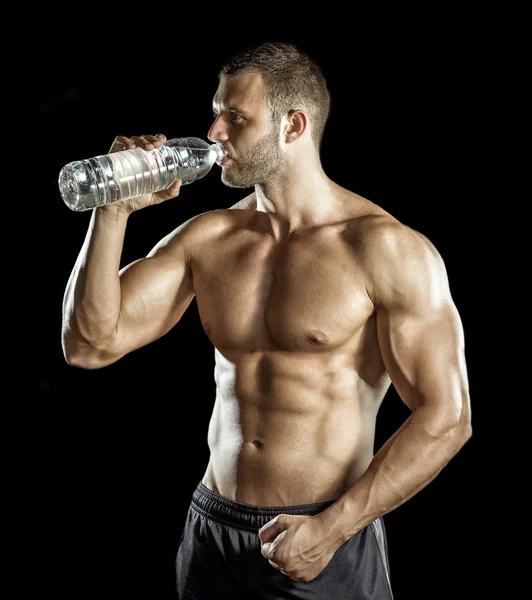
298, 546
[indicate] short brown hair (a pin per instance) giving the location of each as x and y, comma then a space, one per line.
294, 81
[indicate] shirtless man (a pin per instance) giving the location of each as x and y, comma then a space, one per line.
315, 300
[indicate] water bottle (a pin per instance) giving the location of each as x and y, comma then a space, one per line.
93, 182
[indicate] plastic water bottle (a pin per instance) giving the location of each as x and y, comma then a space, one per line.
93, 182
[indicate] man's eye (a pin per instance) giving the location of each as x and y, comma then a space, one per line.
233, 117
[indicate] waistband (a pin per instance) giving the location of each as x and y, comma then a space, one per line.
245, 516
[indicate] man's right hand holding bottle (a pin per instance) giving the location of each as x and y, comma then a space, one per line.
146, 142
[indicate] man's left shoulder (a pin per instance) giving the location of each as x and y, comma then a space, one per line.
384, 241
387, 233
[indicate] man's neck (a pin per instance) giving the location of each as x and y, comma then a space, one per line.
302, 197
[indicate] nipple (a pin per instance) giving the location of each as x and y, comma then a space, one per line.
315, 336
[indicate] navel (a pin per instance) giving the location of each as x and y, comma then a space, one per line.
315, 336
257, 444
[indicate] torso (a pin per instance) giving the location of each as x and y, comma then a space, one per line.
299, 376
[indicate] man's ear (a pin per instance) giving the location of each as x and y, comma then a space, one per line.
295, 125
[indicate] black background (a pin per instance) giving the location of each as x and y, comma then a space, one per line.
107, 459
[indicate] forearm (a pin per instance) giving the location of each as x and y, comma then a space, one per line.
91, 304
404, 465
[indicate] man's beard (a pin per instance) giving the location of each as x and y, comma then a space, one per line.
262, 163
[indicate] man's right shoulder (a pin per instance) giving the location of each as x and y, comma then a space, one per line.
217, 220
204, 227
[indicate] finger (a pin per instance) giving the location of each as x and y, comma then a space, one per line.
144, 141
155, 140
170, 192
267, 551
275, 565
121, 142
271, 530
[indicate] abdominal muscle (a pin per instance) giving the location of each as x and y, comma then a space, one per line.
290, 428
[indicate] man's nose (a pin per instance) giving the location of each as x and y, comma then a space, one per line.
217, 132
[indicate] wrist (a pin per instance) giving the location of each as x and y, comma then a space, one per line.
335, 522
112, 212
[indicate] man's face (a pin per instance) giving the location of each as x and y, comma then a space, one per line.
243, 126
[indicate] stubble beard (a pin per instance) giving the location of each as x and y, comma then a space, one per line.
262, 164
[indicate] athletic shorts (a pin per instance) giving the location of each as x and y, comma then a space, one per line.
219, 556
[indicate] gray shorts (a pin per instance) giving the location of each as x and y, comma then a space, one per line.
219, 557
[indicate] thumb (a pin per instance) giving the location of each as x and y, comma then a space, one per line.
271, 530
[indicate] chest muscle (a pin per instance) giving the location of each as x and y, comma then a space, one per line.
305, 293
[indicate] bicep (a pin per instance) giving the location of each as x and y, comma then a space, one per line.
155, 292
424, 356
421, 337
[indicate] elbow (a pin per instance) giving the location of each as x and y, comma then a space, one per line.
86, 356
464, 427
459, 432
86, 361
81, 362
465, 430
452, 437
453, 428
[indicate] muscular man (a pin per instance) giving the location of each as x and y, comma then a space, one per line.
315, 300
